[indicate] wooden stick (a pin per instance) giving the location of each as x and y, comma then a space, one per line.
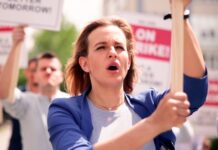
177, 45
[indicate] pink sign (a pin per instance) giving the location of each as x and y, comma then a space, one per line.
152, 43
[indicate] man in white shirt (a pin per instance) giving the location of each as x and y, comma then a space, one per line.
29, 108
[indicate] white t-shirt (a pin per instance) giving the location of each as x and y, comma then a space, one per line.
31, 110
107, 124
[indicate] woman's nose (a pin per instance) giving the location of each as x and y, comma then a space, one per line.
112, 53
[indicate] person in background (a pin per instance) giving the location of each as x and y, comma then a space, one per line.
15, 142
30, 86
184, 136
102, 115
30, 108
29, 72
202, 143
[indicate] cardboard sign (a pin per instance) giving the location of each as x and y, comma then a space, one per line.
152, 43
45, 14
204, 120
6, 44
212, 97
152, 36
206, 30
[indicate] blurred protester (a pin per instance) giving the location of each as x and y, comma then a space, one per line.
15, 142
206, 144
184, 136
31, 86
202, 143
30, 108
29, 72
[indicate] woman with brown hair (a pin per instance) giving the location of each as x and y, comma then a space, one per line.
102, 114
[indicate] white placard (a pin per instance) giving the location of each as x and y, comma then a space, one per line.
152, 36
206, 30
44, 14
204, 120
6, 44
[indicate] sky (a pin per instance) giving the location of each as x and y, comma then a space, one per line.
80, 12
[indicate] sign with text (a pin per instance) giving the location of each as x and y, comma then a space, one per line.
152, 43
205, 118
206, 30
6, 44
45, 14
152, 36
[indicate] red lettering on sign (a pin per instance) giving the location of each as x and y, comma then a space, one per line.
212, 97
6, 29
152, 43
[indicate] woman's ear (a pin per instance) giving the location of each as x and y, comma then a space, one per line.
84, 64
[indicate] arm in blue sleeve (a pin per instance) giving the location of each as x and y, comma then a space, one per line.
64, 128
196, 90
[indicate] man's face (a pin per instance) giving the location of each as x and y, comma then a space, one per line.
48, 73
30, 73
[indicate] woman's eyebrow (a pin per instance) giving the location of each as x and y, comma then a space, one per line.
100, 43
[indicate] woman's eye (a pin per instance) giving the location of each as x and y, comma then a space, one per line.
120, 47
100, 48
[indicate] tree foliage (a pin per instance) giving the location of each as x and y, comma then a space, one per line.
59, 43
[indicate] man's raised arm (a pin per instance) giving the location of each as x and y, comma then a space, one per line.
9, 76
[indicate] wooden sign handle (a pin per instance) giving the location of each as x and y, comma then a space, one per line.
177, 45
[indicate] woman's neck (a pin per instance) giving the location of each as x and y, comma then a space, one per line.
106, 98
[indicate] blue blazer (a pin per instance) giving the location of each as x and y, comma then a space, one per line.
69, 119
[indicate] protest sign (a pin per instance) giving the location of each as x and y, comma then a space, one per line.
204, 120
45, 14
152, 36
6, 44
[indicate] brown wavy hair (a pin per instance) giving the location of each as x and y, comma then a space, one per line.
76, 80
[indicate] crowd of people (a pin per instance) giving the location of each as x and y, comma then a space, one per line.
30, 106
99, 112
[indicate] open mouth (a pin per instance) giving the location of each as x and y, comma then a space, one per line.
112, 68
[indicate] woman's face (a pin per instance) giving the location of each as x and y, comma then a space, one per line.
107, 61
